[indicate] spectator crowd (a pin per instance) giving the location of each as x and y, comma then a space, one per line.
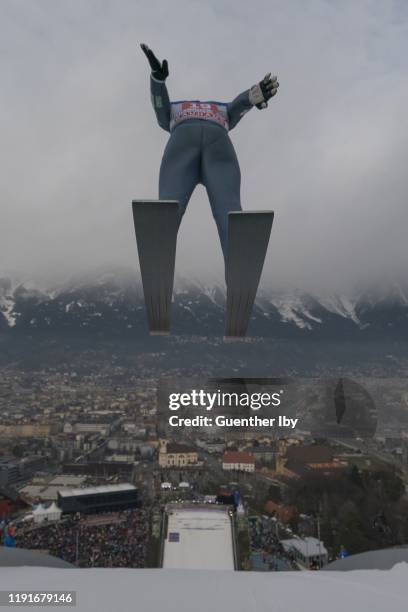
267, 553
117, 539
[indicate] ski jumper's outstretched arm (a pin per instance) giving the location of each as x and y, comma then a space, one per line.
159, 94
258, 96
161, 102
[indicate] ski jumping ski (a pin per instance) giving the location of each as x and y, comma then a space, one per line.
248, 238
156, 225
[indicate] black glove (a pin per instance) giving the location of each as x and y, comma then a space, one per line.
269, 87
264, 91
160, 70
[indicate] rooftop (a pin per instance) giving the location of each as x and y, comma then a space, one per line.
312, 453
308, 547
175, 447
67, 480
238, 457
95, 490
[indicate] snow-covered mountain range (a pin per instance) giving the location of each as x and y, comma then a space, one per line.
111, 305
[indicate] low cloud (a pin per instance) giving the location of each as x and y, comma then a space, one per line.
79, 137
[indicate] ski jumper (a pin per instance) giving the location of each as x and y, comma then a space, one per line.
199, 150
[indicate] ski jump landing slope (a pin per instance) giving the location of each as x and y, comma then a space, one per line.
198, 538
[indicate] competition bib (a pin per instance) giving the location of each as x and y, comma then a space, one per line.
210, 111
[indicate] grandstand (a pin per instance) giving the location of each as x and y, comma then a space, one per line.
107, 498
198, 537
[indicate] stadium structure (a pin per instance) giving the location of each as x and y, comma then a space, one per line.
90, 500
198, 536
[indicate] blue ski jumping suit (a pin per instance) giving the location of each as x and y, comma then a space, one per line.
199, 150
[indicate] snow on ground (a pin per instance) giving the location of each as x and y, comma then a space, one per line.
125, 590
7, 308
340, 305
198, 539
292, 309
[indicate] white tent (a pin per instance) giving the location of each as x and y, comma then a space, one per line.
41, 513
38, 513
240, 509
53, 512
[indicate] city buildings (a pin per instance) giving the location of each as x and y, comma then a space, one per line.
173, 454
240, 461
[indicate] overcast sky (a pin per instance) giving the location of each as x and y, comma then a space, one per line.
79, 138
